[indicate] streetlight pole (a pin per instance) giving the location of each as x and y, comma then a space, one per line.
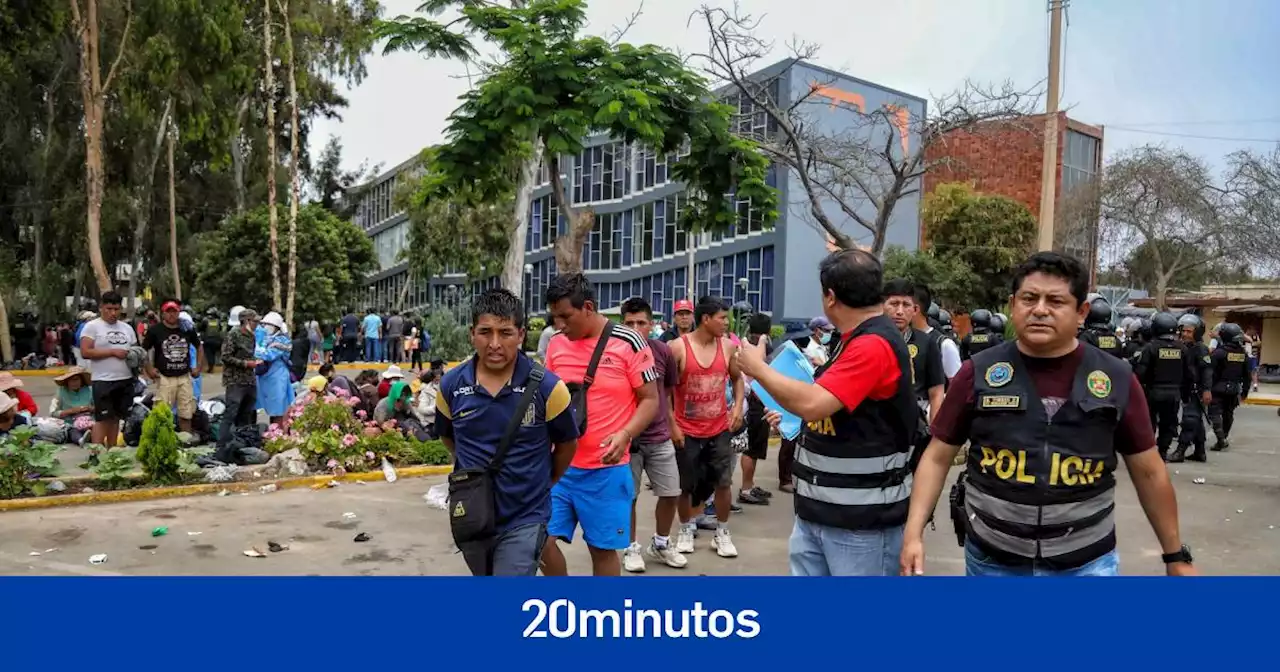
1049, 169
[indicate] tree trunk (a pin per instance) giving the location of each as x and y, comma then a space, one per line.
237, 156
293, 165
1162, 289
568, 248
173, 226
6, 339
404, 291
142, 208
269, 89
513, 265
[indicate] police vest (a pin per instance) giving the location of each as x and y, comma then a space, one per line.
1101, 338
1229, 370
921, 346
851, 469
1203, 365
1040, 487
975, 342
1165, 365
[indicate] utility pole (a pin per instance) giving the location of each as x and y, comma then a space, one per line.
1049, 171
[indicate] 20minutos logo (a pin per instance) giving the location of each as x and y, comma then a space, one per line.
562, 619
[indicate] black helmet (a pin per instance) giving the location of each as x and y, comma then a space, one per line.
944, 318
1144, 329
1231, 333
1193, 321
997, 323
980, 318
1094, 296
1099, 312
934, 309
1163, 324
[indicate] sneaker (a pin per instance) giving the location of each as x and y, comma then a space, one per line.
632, 561
723, 543
705, 522
750, 497
761, 492
667, 555
684, 539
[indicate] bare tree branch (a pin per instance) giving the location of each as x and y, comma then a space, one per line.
619, 32
120, 52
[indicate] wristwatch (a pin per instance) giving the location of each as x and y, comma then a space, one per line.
1181, 555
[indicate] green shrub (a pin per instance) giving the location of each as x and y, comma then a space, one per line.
776, 332
113, 469
537, 324
450, 340
159, 451
22, 461
404, 450
430, 452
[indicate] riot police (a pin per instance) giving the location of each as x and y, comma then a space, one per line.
1191, 328
981, 337
1164, 368
211, 330
998, 322
1230, 371
1097, 328
945, 326
1139, 334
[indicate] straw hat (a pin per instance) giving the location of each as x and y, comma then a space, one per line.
392, 371
72, 373
7, 403
8, 381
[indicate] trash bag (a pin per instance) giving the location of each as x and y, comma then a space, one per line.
52, 430
202, 427
133, 424
249, 435
215, 406
250, 455
438, 497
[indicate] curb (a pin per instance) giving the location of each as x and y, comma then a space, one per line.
146, 494
1254, 401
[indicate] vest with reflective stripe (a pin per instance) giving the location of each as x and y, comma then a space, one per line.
851, 469
1229, 369
1041, 487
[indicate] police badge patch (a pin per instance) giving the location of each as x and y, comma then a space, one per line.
1099, 384
913, 350
999, 374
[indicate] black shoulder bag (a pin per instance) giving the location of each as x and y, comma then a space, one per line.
578, 391
473, 509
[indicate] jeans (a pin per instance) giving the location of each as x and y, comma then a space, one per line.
372, 352
514, 552
241, 410
977, 563
819, 550
395, 349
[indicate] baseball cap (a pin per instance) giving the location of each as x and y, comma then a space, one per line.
820, 323
683, 305
170, 305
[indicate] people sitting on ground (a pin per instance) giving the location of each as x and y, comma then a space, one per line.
338, 382
275, 389
424, 409
398, 406
74, 402
12, 386
9, 415
367, 387
392, 375
316, 388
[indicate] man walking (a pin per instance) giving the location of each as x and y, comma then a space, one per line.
758, 327
654, 453
1198, 395
240, 381
474, 406
1231, 375
613, 404
1165, 369
372, 325
681, 321
395, 337
105, 343
706, 362
349, 332
170, 364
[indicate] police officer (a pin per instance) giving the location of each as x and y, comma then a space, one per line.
981, 337
1097, 328
1230, 371
946, 327
1164, 368
1191, 328
212, 329
1138, 332
998, 322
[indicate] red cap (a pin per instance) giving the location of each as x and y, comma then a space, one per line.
683, 305
170, 305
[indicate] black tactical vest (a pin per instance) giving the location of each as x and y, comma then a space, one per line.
1203, 365
920, 347
1040, 488
1166, 364
975, 343
851, 468
1103, 339
1229, 371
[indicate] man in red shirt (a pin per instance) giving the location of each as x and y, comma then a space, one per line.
1045, 418
852, 481
617, 405
702, 421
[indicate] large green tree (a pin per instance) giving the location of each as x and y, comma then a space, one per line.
556, 88
954, 285
988, 235
334, 256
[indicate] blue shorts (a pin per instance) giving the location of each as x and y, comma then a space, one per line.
597, 499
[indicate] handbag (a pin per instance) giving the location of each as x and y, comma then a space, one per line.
473, 509
578, 391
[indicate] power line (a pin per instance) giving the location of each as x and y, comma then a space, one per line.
1189, 135
1218, 122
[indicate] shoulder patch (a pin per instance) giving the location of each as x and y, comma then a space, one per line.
999, 374
630, 337
1099, 384
978, 338
913, 350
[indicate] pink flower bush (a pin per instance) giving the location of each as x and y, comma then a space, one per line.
341, 393
361, 414
331, 463
349, 440
84, 423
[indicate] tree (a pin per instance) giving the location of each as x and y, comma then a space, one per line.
293, 163
1255, 180
862, 171
269, 91
173, 221
461, 233
952, 284
1167, 200
335, 189
334, 256
93, 91
558, 88
989, 235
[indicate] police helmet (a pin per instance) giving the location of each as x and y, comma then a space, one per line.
1099, 312
211, 311
934, 310
1230, 332
1094, 296
944, 318
1144, 329
980, 318
997, 323
1163, 324
1193, 321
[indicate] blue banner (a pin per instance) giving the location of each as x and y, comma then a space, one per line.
791, 625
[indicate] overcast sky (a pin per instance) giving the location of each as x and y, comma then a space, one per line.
1186, 67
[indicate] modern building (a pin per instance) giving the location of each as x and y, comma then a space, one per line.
1006, 158
639, 246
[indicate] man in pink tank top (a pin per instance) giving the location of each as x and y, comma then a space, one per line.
702, 420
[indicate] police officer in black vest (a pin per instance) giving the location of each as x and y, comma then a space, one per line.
946, 327
852, 483
980, 336
902, 305
1097, 328
1045, 418
1230, 373
1165, 370
1198, 397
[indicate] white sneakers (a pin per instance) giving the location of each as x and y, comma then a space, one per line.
633, 559
684, 538
723, 543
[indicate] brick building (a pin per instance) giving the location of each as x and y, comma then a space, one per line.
1005, 159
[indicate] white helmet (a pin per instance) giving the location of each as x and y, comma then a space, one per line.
234, 318
274, 319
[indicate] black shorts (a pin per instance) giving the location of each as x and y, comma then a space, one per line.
112, 399
705, 460
757, 438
